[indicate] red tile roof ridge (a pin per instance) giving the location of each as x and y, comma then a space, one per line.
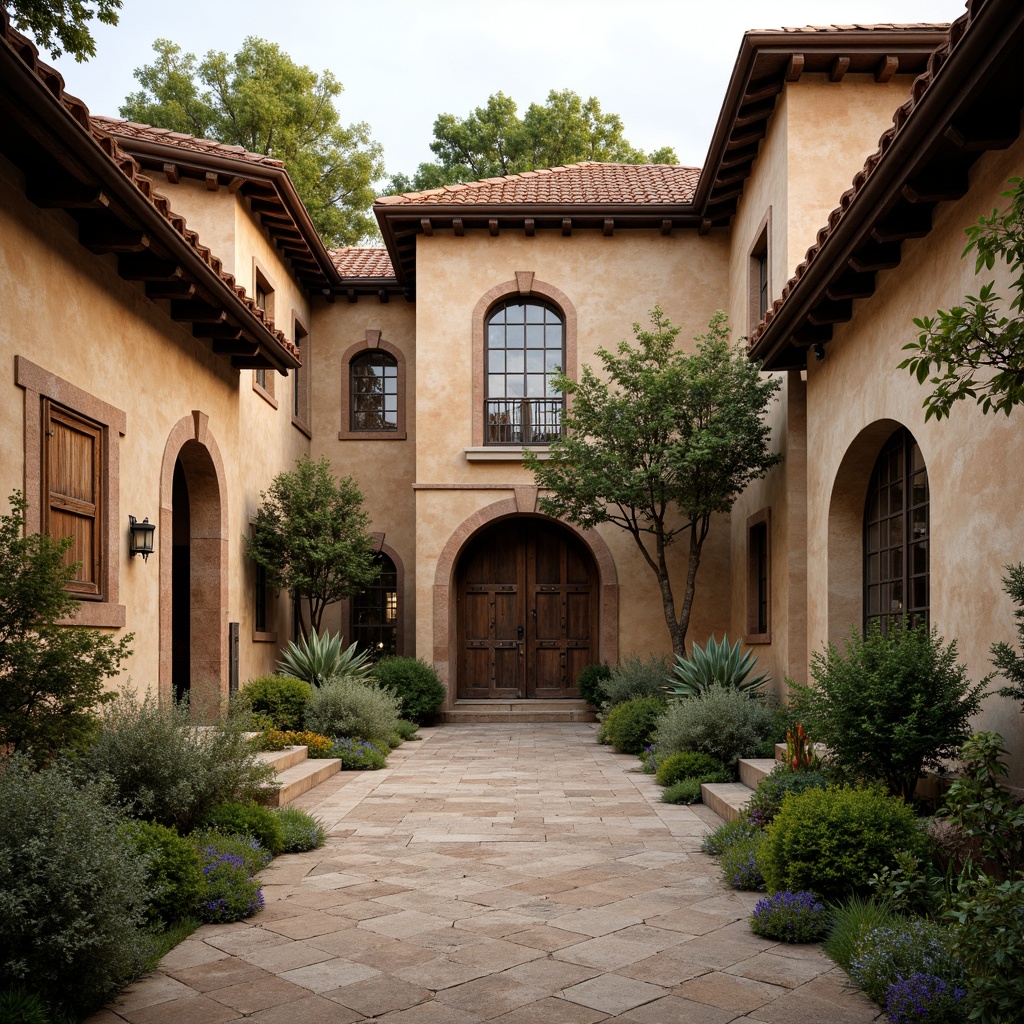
362, 261
53, 82
887, 26
919, 88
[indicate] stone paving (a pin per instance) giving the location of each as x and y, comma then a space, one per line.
516, 874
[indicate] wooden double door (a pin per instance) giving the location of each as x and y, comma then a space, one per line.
527, 611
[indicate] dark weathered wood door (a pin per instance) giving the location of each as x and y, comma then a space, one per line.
527, 612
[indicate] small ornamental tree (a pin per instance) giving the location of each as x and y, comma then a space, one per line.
51, 676
1006, 660
658, 445
310, 536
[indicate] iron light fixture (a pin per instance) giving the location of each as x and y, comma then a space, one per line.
141, 537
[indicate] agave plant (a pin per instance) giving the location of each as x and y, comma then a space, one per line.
721, 663
320, 658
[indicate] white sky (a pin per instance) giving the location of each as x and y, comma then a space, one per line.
662, 65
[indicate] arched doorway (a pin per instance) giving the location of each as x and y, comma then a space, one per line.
527, 599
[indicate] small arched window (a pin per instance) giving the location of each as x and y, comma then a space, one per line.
375, 612
896, 536
524, 345
374, 391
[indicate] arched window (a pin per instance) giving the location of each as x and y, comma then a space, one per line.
374, 391
524, 346
375, 612
896, 536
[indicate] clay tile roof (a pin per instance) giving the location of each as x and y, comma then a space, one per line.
574, 183
916, 26
352, 261
165, 137
919, 88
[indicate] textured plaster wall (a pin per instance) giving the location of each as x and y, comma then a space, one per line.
857, 396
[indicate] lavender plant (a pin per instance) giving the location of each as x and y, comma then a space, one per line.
790, 917
924, 997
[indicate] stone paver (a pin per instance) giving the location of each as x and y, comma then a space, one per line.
519, 874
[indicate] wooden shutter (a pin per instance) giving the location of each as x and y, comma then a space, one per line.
72, 500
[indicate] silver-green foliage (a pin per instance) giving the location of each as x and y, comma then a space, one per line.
350, 707
72, 889
316, 659
721, 663
722, 722
635, 677
302, 831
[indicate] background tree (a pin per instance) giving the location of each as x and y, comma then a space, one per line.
662, 443
51, 676
62, 26
310, 536
262, 100
976, 350
493, 140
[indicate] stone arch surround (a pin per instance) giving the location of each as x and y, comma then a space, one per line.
445, 625
191, 441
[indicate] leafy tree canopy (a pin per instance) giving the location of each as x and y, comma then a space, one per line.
62, 26
310, 536
976, 349
659, 444
262, 100
494, 140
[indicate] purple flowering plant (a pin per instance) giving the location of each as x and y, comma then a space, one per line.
925, 997
231, 891
358, 755
790, 917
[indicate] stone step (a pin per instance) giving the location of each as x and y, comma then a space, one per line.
281, 760
726, 799
754, 769
302, 777
500, 712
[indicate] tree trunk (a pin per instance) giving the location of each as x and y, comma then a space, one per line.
692, 566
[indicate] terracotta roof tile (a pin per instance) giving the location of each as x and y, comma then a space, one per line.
574, 183
915, 26
165, 137
352, 261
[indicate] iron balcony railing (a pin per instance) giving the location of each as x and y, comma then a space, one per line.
522, 420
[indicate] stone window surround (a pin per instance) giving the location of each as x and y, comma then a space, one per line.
372, 341
39, 384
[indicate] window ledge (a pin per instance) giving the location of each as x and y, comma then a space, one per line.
263, 638
302, 427
757, 638
264, 394
496, 453
97, 613
371, 435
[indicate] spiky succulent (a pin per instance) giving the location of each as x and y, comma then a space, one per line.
320, 658
722, 663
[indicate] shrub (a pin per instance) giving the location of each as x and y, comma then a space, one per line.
721, 722
406, 729
890, 706
19, 1006
831, 841
248, 819
629, 725
254, 856
72, 889
914, 946
790, 917
728, 834
924, 997
773, 789
720, 663
359, 755
347, 707
174, 875
318, 659
741, 863
588, 682
415, 683
687, 765
168, 770
280, 700
635, 677
301, 830
231, 891
685, 791
317, 745
851, 922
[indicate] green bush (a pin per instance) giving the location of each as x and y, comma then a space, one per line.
72, 889
166, 769
589, 680
728, 834
359, 755
685, 791
890, 706
722, 722
851, 921
773, 789
318, 659
722, 663
348, 707
831, 841
629, 725
248, 819
19, 1006
414, 683
635, 677
406, 729
245, 848
231, 893
279, 700
174, 875
301, 830
687, 765
743, 863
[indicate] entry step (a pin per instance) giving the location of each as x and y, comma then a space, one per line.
481, 712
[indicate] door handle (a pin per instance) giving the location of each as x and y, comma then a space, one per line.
519, 632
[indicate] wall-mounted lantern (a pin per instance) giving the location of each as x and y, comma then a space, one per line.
141, 538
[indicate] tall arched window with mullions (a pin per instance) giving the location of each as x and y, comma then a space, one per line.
373, 393
896, 536
375, 612
525, 345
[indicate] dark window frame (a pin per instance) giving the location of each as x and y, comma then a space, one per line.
362, 401
375, 613
759, 575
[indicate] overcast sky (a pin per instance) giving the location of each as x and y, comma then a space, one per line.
662, 65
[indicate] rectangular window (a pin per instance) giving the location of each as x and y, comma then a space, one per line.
759, 577
262, 378
261, 599
760, 273
301, 378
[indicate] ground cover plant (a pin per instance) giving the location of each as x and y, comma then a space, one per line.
317, 745
628, 726
790, 917
415, 683
358, 755
773, 789
244, 818
301, 831
689, 764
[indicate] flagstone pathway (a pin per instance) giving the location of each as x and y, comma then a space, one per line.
516, 874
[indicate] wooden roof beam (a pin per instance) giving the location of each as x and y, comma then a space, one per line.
839, 68
831, 312
938, 184
170, 290
852, 284
795, 67
62, 191
110, 235
876, 256
886, 68
991, 129
197, 312
904, 221
145, 266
